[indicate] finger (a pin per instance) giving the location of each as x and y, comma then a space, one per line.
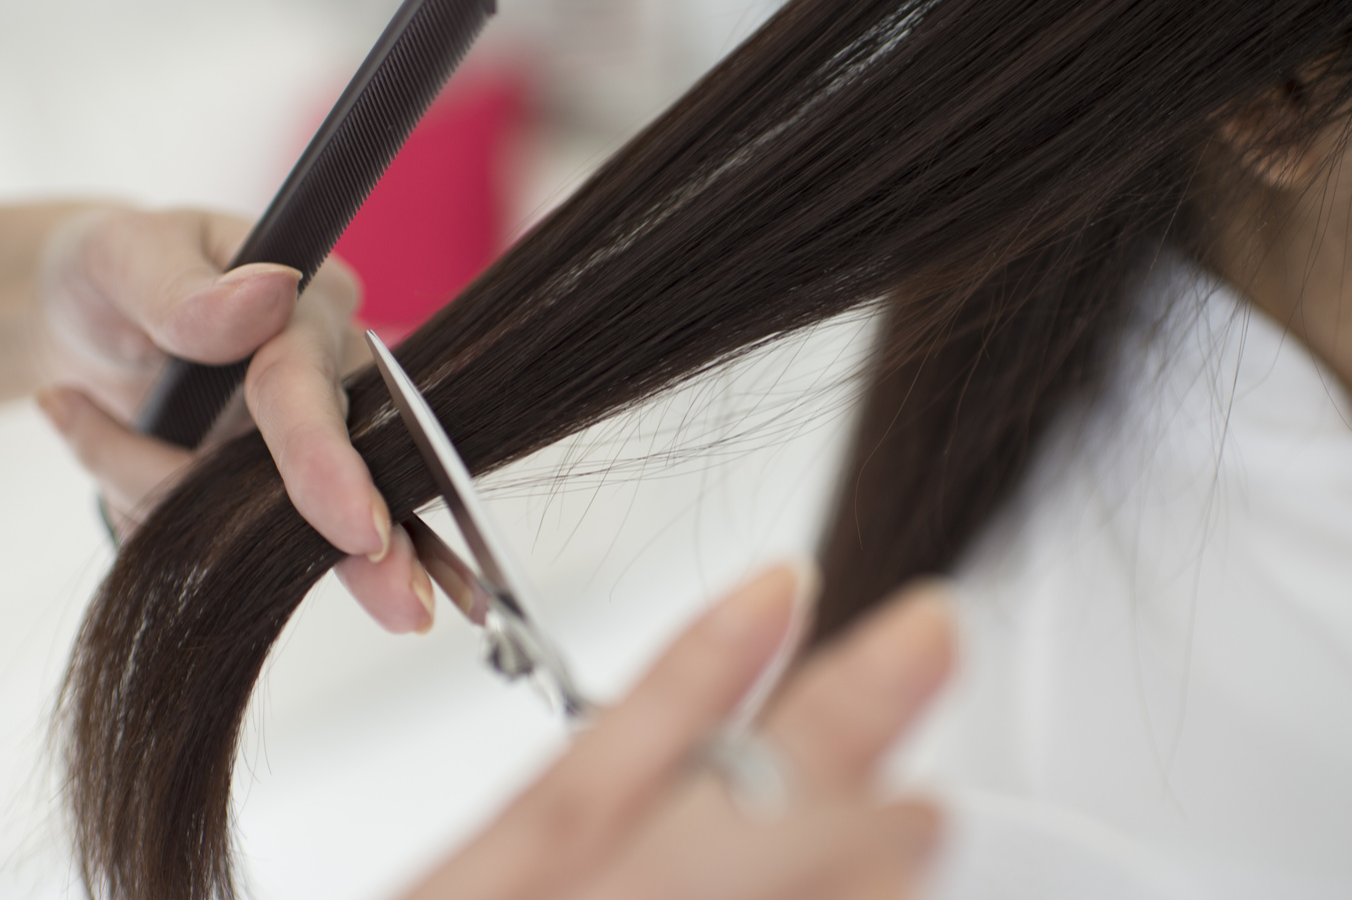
575, 817
852, 850
127, 466
396, 591
700, 847
890, 855
852, 701
293, 392
163, 271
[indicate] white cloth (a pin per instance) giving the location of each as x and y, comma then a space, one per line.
1155, 695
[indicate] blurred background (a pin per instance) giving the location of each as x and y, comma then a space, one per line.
369, 756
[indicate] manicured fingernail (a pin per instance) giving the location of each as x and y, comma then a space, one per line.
380, 513
256, 270
422, 587
56, 404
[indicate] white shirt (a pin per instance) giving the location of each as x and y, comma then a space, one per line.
1155, 695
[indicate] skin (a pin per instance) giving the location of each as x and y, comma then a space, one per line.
100, 295
626, 813
96, 297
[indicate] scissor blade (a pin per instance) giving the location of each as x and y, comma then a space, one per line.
448, 471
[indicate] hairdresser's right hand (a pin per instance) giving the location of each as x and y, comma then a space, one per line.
120, 290
627, 813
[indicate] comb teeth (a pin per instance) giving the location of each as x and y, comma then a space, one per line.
400, 78
395, 85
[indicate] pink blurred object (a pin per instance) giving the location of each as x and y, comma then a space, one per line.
438, 217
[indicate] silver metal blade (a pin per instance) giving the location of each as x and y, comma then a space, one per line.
517, 646
448, 471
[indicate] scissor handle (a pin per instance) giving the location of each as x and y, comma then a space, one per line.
516, 648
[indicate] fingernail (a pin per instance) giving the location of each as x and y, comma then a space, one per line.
380, 514
809, 581
807, 587
786, 591
461, 594
422, 587
912, 642
55, 403
925, 615
257, 270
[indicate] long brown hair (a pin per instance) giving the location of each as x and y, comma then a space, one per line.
992, 172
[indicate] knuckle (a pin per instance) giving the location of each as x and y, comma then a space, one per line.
262, 380
281, 369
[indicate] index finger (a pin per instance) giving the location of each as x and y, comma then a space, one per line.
852, 701
294, 393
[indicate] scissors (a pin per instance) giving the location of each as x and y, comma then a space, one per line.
494, 600
491, 598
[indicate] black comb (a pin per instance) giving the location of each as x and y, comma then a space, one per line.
399, 79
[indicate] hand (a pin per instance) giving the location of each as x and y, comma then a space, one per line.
625, 814
121, 290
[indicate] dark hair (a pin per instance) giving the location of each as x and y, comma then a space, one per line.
992, 172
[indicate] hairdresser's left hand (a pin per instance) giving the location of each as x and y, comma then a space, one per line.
120, 290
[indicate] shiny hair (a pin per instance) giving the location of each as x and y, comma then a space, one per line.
992, 174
